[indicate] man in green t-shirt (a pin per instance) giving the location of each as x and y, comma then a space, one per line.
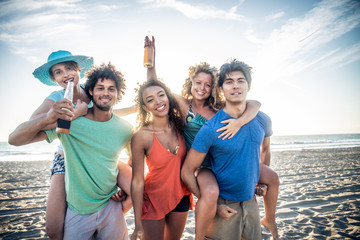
91, 150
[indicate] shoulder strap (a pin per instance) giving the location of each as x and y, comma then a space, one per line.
192, 107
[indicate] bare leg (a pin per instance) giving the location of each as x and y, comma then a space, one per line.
154, 229
270, 178
206, 205
124, 182
175, 225
56, 207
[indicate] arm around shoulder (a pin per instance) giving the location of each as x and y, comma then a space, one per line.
125, 111
29, 132
252, 109
234, 125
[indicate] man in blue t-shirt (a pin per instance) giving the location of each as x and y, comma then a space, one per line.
235, 162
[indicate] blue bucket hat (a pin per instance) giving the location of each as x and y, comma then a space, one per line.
42, 72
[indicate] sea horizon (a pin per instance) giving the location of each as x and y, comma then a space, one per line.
43, 151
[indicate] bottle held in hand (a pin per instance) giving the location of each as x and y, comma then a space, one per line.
149, 54
63, 126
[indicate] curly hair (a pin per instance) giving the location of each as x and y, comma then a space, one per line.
215, 100
105, 71
144, 118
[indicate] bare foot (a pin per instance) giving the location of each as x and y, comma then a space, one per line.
271, 225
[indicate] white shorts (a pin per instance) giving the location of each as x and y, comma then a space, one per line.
107, 223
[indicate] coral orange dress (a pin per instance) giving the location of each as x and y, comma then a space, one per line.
163, 188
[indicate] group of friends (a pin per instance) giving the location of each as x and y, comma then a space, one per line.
210, 142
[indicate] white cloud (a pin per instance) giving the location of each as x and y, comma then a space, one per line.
249, 35
27, 25
21, 6
197, 11
344, 57
107, 8
274, 16
293, 47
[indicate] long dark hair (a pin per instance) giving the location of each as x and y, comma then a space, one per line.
144, 118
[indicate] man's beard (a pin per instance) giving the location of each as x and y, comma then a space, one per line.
101, 107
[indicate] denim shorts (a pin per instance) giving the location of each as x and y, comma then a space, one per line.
58, 166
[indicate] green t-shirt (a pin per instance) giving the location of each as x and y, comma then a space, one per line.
91, 153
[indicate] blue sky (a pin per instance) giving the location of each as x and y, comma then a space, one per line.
305, 54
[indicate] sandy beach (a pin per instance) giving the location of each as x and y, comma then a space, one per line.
319, 196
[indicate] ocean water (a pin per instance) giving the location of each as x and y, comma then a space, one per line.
45, 151
31, 152
300, 142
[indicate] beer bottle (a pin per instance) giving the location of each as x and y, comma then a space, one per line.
63, 126
149, 53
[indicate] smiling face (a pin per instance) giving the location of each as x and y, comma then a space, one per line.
235, 87
201, 86
62, 73
104, 94
156, 101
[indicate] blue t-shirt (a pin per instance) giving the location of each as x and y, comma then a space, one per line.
235, 162
56, 95
59, 94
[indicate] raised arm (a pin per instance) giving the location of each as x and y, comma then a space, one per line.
234, 125
137, 181
183, 104
151, 72
193, 161
31, 131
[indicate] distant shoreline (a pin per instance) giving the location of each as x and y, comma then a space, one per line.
49, 156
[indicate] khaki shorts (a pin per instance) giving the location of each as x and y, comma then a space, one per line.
107, 223
243, 225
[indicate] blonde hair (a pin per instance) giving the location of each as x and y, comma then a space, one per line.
214, 101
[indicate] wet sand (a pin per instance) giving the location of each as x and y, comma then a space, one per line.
319, 196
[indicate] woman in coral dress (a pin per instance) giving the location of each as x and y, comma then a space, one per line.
161, 201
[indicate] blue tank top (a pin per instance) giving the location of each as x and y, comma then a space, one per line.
193, 123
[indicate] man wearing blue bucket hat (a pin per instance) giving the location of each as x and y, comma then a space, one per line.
91, 151
60, 68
